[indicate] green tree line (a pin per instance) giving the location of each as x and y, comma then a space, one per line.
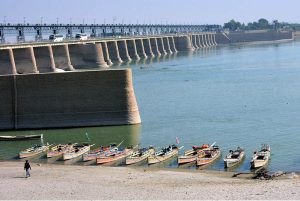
262, 23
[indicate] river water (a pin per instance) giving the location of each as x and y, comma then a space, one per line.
239, 95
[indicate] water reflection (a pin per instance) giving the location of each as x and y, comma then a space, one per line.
130, 135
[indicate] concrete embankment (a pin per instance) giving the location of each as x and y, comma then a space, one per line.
70, 99
253, 36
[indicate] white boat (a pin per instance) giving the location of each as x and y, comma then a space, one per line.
58, 150
77, 151
262, 157
34, 150
163, 154
234, 157
139, 155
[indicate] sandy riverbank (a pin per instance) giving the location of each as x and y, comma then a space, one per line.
50, 181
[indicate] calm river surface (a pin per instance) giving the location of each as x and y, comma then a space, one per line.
242, 95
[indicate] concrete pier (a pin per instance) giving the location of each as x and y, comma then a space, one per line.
161, 46
12, 61
204, 40
123, 51
154, 46
167, 45
67, 53
148, 47
98, 56
25, 60
183, 43
140, 48
199, 41
73, 99
132, 50
106, 54
113, 50
173, 46
194, 40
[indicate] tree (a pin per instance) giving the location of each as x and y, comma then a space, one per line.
232, 25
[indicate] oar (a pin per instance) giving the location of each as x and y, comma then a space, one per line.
120, 143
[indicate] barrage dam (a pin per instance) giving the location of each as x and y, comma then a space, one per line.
48, 84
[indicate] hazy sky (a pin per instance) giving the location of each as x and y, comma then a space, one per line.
145, 11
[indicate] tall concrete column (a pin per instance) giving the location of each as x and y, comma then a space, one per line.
99, 58
204, 40
35, 70
140, 48
173, 46
137, 57
163, 50
107, 58
12, 62
210, 40
156, 49
214, 38
53, 67
123, 50
67, 52
194, 37
150, 47
207, 40
167, 44
117, 52
199, 41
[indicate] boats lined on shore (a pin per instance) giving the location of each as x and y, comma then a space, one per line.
262, 157
113, 156
34, 150
190, 156
19, 137
234, 157
139, 155
76, 151
210, 155
202, 155
163, 154
59, 150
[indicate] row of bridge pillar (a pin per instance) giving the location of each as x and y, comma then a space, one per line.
68, 57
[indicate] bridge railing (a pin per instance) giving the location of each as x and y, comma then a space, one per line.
39, 31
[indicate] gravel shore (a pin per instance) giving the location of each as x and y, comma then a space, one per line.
50, 181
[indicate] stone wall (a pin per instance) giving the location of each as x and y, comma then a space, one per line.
254, 36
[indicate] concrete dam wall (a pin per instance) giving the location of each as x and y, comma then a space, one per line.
70, 99
253, 36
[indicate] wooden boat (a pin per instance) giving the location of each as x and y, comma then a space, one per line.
58, 150
34, 150
76, 151
93, 154
19, 137
191, 155
234, 157
210, 155
139, 155
114, 155
163, 154
262, 157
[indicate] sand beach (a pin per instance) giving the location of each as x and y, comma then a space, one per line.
49, 181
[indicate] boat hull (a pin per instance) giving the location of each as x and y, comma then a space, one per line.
259, 163
24, 154
109, 159
19, 138
68, 156
205, 161
230, 162
158, 159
